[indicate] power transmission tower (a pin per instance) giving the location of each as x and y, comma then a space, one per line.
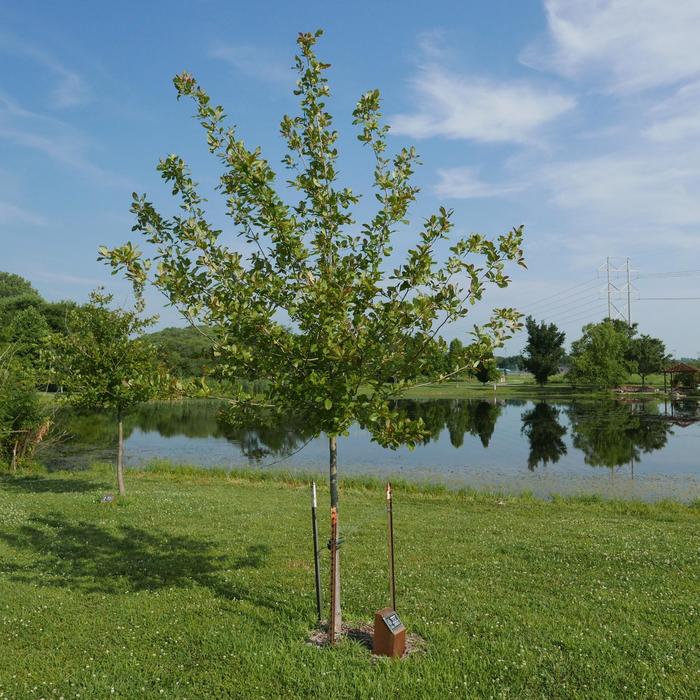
618, 287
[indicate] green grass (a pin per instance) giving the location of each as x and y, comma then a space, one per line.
511, 389
199, 585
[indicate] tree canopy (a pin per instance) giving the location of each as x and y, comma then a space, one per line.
544, 350
309, 299
601, 356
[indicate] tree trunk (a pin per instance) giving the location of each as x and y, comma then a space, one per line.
120, 457
14, 457
335, 622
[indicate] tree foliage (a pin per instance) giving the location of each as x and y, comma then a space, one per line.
347, 317
648, 354
307, 299
600, 358
486, 370
544, 350
103, 362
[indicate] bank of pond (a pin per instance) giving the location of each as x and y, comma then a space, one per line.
626, 449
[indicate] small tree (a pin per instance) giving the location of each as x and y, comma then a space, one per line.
649, 355
104, 363
23, 422
305, 301
486, 370
544, 350
601, 356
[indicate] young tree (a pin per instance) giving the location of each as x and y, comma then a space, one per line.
649, 355
544, 349
103, 362
486, 370
305, 301
601, 356
23, 421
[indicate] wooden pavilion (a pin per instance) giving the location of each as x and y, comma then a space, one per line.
679, 368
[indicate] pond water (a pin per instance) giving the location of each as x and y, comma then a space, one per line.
644, 449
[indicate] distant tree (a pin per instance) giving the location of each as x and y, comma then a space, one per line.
648, 354
187, 352
308, 301
12, 285
455, 355
29, 333
601, 356
104, 362
23, 421
544, 350
509, 362
486, 371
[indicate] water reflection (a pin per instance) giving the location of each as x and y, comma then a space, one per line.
611, 434
513, 435
544, 433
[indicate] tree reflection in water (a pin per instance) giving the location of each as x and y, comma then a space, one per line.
608, 433
611, 434
544, 433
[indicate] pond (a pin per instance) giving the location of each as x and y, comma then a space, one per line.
643, 449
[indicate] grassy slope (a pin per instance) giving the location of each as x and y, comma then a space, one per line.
201, 586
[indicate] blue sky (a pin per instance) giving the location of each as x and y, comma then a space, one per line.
577, 118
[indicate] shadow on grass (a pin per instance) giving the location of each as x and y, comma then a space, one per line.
84, 556
48, 484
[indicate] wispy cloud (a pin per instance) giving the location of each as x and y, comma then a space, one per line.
69, 279
51, 137
637, 191
623, 46
254, 61
69, 89
463, 106
465, 183
12, 214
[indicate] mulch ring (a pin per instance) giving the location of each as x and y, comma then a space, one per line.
362, 633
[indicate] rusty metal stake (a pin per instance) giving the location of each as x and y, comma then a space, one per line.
392, 579
334, 573
317, 569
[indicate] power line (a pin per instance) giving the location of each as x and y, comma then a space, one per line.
669, 299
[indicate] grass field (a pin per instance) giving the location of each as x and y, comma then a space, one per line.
200, 586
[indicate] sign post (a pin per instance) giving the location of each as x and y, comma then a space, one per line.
389, 631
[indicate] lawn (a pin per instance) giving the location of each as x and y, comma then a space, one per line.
201, 586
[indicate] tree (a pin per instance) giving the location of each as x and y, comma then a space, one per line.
544, 350
15, 286
23, 422
486, 371
103, 362
649, 355
600, 356
305, 301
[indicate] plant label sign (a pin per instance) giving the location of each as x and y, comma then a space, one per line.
389, 634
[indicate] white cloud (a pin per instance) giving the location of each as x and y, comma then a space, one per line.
69, 90
632, 193
465, 183
677, 118
12, 214
465, 107
625, 45
52, 137
255, 62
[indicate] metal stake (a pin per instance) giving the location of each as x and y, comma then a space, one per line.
317, 569
334, 582
392, 579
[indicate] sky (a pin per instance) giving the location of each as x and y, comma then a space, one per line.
578, 118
